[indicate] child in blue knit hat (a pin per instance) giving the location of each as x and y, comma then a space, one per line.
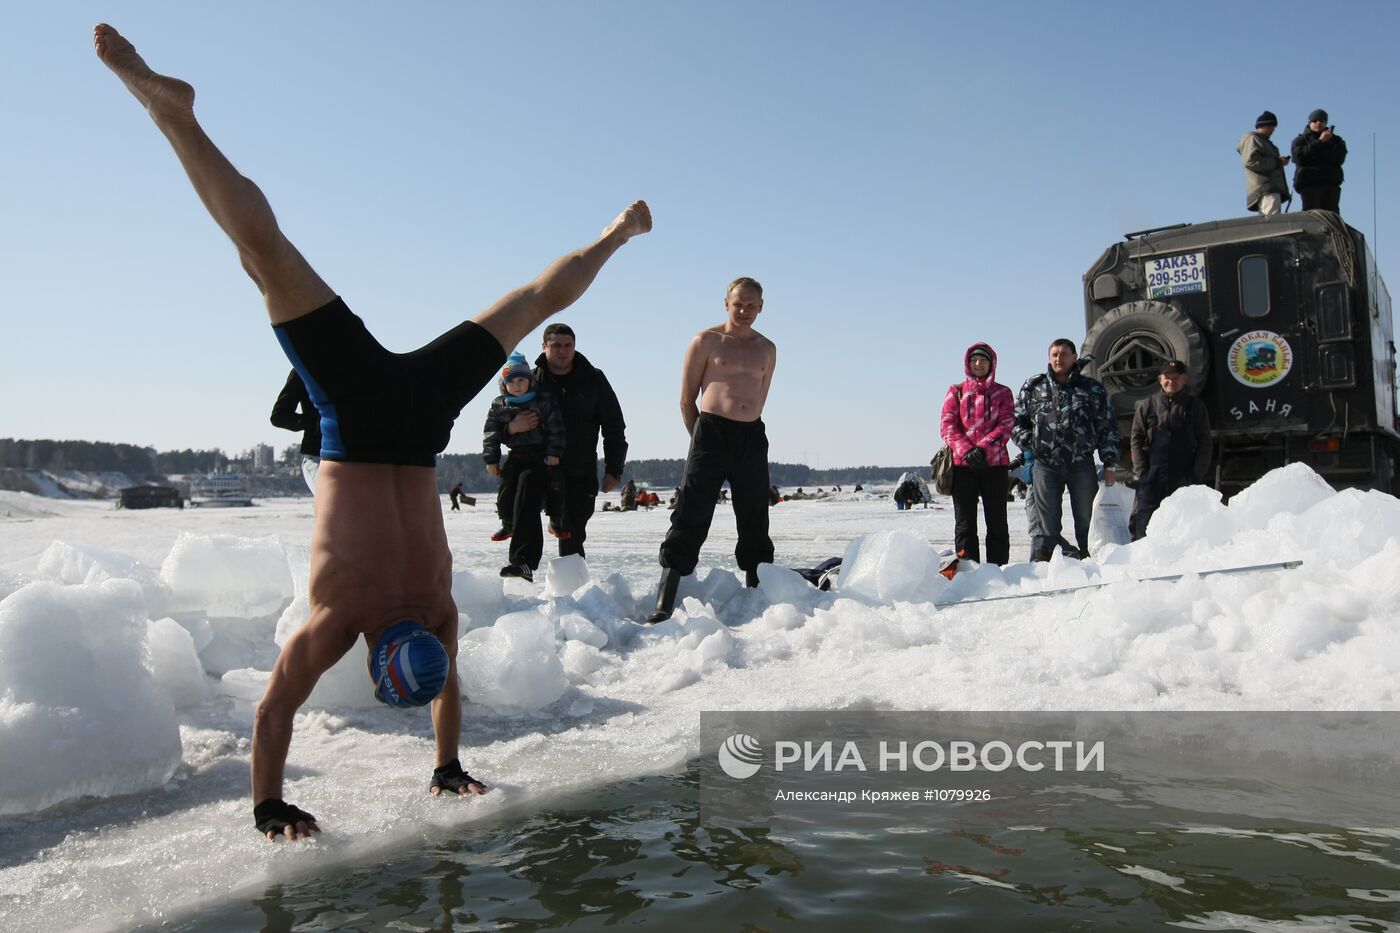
530, 472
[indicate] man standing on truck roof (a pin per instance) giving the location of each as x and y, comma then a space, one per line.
1265, 186
1318, 154
1170, 442
1062, 417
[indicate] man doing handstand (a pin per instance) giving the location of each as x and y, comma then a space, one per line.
380, 566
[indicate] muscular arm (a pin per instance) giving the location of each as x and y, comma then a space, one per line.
768, 376
304, 658
692, 375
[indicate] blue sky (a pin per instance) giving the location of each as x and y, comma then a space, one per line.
904, 178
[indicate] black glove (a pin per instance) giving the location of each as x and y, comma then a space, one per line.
274, 815
452, 779
975, 458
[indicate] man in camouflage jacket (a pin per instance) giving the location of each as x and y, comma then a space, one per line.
1062, 418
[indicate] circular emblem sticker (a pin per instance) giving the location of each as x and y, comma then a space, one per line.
1260, 358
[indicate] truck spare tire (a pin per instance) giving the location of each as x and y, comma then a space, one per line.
1130, 343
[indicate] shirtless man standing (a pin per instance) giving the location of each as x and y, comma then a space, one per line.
380, 565
730, 368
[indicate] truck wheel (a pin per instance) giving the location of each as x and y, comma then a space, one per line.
1130, 343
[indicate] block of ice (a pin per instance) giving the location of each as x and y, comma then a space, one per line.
563, 575
784, 585
887, 566
175, 663
75, 691
576, 627
1294, 488
513, 664
581, 661
226, 576
479, 596
80, 563
1190, 520
715, 588
1350, 525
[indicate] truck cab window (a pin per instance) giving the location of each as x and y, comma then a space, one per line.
1254, 286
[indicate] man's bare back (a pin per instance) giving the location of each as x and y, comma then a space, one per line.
379, 545
729, 366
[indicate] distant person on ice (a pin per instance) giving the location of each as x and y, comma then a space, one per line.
1062, 418
1265, 185
729, 367
1170, 442
380, 566
456, 495
530, 475
294, 411
978, 415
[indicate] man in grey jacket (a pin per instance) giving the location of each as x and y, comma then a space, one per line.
1266, 187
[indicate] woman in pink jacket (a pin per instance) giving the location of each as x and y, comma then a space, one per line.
977, 417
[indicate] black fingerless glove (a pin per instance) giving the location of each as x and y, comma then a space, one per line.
274, 815
975, 458
452, 779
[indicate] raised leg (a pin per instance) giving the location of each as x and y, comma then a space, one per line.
289, 285
511, 318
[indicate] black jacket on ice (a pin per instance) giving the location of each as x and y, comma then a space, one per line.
590, 405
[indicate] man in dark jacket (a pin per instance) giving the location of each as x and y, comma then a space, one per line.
1318, 154
590, 405
1062, 418
1171, 444
294, 411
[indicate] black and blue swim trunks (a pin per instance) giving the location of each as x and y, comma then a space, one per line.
383, 407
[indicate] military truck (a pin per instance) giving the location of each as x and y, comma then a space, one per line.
1284, 324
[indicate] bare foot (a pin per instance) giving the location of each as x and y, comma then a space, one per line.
157, 93
631, 222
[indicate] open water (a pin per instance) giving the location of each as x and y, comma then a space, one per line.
637, 853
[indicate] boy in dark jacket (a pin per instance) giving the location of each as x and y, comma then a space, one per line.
530, 473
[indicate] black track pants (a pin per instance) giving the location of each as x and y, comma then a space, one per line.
721, 449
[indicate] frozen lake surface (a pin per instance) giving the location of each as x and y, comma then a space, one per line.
133, 646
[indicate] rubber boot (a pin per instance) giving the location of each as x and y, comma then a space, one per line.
665, 596
751, 578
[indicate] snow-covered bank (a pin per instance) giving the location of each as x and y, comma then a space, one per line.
153, 635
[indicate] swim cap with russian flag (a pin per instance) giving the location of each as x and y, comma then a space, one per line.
408, 666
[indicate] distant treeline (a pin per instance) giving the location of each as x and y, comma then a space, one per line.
668, 473
470, 471
467, 469
101, 457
